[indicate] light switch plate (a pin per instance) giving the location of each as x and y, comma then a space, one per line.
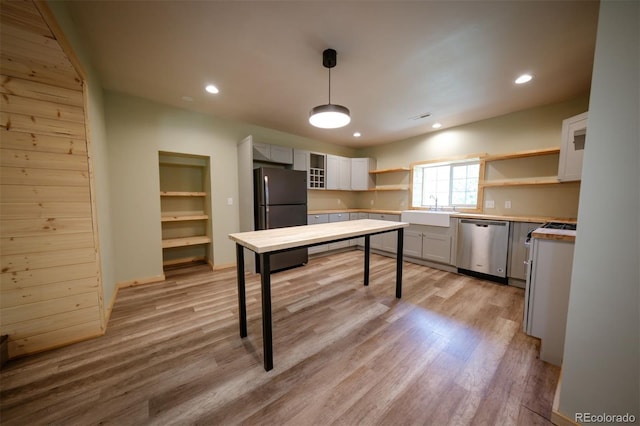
489, 204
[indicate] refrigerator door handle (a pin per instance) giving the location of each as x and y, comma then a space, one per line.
266, 202
266, 218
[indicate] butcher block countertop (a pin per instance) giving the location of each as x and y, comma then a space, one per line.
461, 215
539, 219
554, 234
269, 240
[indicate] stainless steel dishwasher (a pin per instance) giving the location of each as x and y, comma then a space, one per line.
482, 248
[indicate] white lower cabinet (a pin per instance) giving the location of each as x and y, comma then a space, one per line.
358, 216
436, 246
389, 240
313, 219
338, 217
412, 245
429, 243
547, 296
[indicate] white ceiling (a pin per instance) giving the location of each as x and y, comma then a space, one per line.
396, 59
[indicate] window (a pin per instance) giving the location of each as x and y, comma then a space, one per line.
446, 184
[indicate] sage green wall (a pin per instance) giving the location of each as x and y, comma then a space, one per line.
137, 129
98, 140
535, 128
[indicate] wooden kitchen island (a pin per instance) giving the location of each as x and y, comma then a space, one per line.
271, 241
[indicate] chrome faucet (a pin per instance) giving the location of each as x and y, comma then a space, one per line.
433, 197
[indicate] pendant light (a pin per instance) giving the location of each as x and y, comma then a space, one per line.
329, 116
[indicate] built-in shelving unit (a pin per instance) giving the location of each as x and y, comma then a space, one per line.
316, 172
184, 200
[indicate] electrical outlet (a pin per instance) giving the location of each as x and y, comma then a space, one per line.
229, 201
371, 202
507, 204
489, 204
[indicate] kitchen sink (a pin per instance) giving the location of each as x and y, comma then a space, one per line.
427, 217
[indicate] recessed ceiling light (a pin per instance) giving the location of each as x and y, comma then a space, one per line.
524, 78
436, 125
212, 89
357, 135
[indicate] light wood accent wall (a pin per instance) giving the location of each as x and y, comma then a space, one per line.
50, 283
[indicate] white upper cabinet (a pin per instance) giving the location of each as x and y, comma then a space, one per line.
333, 170
338, 172
281, 154
272, 153
361, 180
344, 164
261, 152
300, 160
574, 132
326, 171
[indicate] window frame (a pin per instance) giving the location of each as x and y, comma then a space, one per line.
472, 158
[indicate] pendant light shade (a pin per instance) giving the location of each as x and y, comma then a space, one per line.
329, 116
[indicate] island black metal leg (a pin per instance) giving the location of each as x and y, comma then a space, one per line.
367, 247
242, 304
399, 263
265, 281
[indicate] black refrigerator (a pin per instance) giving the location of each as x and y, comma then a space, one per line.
280, 200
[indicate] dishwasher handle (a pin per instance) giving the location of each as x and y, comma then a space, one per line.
484, 223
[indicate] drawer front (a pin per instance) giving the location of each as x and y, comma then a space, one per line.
312, 219
338, 217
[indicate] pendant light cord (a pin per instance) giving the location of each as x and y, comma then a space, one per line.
329, 86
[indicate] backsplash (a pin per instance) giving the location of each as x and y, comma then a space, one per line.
558, 200
331, 200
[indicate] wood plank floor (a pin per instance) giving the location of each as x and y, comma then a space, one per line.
451, 351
